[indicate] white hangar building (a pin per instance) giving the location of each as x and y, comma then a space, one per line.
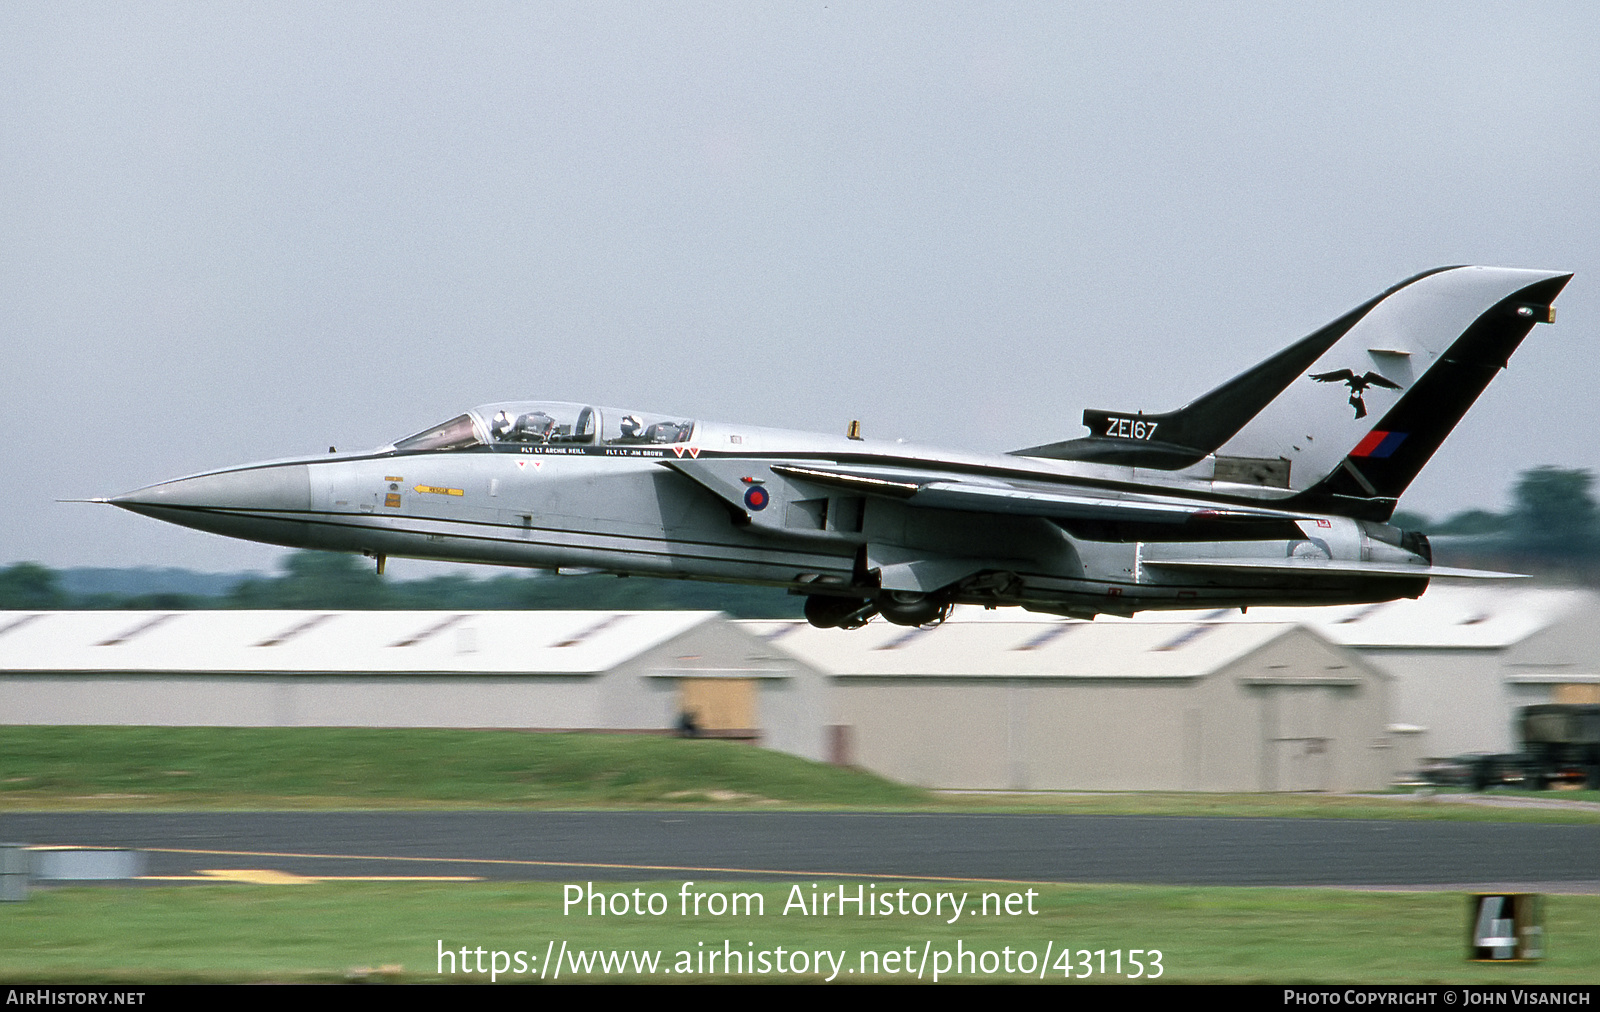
545, 670
1276, 699
1464, 657
1007, 700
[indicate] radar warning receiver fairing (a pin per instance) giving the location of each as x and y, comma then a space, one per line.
1274, 488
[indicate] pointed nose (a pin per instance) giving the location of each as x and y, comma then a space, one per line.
253, 502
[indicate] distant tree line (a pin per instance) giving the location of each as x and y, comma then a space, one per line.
315, 580
1553, 520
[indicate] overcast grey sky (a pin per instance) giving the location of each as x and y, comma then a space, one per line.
237, 232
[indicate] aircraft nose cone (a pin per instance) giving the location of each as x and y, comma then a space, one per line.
227, 502
280, 487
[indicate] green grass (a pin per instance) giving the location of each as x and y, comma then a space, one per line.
335, 931
197, 767
99, 768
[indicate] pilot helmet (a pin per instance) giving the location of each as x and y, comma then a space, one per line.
630, 426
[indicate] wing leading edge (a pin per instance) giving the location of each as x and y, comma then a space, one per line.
935, 492
746, 488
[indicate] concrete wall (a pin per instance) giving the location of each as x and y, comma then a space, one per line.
233, 700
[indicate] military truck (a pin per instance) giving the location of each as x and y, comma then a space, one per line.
1560, 748
1560, 744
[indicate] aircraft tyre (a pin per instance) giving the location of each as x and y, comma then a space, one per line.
826, 612
903, 608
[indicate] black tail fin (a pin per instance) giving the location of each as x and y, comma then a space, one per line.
1176, 439
1383, 463
1347, 417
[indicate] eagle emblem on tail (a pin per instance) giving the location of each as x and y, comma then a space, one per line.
1358, 386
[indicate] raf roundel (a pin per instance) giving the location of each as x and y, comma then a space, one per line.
756, 498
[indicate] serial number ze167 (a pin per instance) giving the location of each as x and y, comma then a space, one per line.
1130, 428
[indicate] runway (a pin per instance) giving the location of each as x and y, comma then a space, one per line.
616, 846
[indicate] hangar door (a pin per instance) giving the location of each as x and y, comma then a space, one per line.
719, 704
1298, 737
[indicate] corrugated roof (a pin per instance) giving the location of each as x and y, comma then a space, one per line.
1039, 648
1006, 642
1446, 617
554, 642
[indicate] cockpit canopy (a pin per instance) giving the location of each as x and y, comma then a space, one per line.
544, 423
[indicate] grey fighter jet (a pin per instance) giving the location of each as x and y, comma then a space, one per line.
1263, 491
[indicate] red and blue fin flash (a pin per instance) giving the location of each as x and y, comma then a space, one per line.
1379, 444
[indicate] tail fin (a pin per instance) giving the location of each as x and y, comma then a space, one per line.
1179, 438
1455, 335
1348, 416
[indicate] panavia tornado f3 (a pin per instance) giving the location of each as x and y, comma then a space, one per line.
1274, 488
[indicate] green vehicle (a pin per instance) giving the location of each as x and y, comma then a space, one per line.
1561, 744
1560, 748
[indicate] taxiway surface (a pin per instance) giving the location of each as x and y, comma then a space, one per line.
613, 846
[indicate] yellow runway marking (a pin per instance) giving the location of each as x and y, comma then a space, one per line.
269, 876
523, 863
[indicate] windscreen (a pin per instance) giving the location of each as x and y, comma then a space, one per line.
457, 432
